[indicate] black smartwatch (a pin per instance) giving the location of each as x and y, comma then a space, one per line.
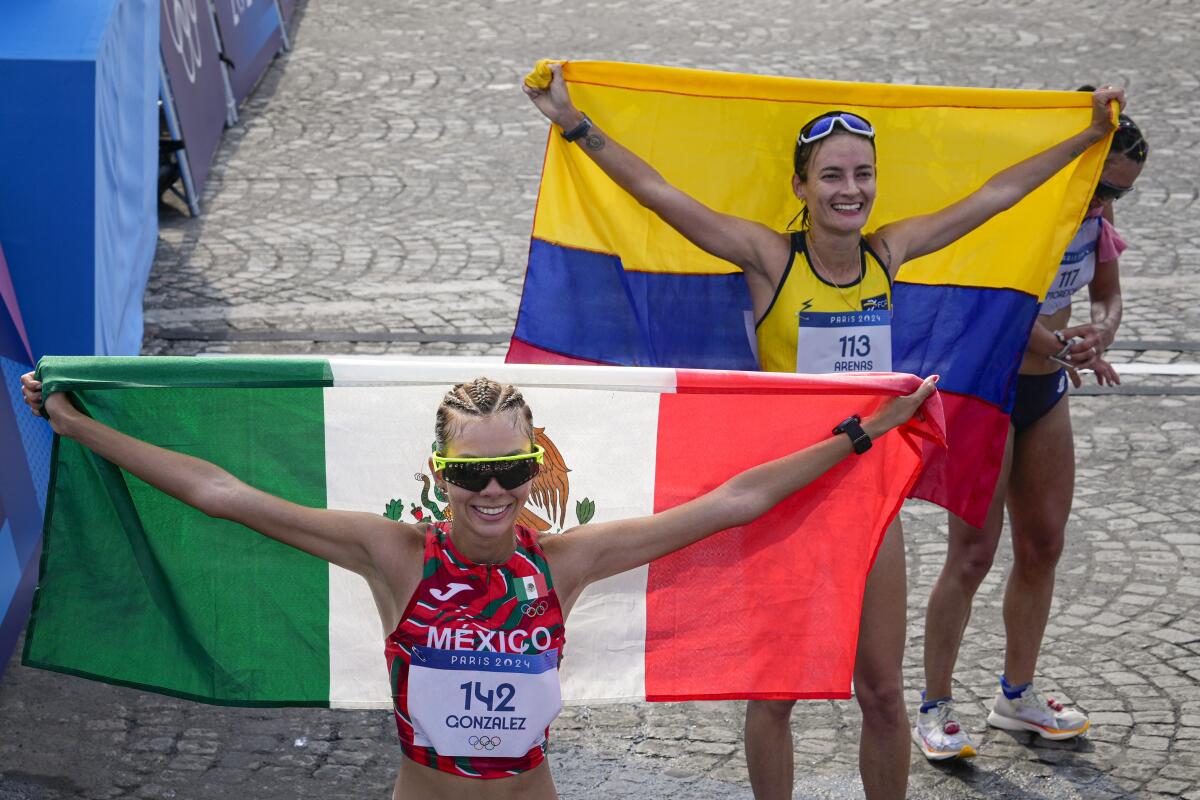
579, 131
859, 439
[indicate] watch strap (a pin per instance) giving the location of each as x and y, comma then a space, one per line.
859, 439
579, 131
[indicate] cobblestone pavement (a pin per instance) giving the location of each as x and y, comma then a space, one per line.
382, 180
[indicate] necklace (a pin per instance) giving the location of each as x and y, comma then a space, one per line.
824, 273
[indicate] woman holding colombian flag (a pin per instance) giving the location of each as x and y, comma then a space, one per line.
841, 278
467, 578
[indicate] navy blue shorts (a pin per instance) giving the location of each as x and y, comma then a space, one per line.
1036, 395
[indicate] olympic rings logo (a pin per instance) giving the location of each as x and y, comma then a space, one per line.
532, 610
183, 26
484, 742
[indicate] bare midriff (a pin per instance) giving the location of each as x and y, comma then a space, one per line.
1035, 363
417, 782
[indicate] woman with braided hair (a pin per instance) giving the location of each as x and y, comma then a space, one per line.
480, 601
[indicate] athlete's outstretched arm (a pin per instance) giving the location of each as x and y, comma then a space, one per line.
918, 236
353, 540
743, 242
596, 551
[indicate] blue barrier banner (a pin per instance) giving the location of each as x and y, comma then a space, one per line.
78, 168
78, 164
192, 61
251, 35
125, 166
79, 82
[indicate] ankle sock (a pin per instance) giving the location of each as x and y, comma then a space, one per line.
929, 705
1010, 691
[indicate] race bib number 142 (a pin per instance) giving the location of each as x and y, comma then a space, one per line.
482, 703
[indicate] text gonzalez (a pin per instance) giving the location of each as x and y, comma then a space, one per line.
514, 641
479, 723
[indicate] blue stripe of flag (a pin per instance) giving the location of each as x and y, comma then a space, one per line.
584, 304
972, 337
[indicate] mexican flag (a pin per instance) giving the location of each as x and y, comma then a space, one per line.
530, 588
138, 589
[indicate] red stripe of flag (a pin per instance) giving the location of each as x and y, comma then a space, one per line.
520, 352
769, 610
963, 478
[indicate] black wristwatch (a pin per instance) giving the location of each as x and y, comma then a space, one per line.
579, 131
859, 439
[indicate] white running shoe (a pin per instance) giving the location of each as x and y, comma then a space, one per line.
1032, 711
940, 736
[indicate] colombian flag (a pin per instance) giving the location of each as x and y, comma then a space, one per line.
609, 283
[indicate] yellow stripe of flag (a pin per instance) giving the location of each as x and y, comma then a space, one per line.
727, 140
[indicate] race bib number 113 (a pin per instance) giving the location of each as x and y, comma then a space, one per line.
844, 341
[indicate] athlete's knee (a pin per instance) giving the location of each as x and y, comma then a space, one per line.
881, 702
971, 565
770, 711
1039, 549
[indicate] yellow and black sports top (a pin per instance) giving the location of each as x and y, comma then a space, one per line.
813, 325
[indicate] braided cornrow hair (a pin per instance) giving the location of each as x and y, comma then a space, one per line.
1129, 141
481, 397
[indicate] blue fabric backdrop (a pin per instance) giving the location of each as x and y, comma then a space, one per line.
78, 223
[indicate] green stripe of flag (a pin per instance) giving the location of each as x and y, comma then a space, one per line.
77, 373
137, 588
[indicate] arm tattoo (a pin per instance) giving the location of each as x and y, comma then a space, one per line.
594, 141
